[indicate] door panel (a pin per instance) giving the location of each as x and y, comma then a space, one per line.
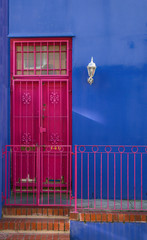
54, 113
25, 112
41, 76
41, 117
25, 131
54, 122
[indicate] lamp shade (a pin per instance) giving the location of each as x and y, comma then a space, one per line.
91, 71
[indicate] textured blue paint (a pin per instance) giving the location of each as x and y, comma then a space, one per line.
114, 109
3, 86
108, 231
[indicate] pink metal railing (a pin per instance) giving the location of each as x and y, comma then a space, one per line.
37, 175
110, 177
105, 177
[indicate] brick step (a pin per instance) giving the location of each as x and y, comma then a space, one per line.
36, 216
108, 216
44, 211
12, 235
34, 224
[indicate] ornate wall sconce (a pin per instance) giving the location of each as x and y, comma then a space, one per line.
91, 71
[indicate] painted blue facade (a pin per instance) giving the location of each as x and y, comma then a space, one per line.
108, 231
114, 109
4, 86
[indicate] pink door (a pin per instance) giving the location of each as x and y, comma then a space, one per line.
41, 113
25, 130
55, 132
41, 118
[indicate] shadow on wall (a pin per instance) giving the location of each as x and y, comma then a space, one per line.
108, 231
113, 109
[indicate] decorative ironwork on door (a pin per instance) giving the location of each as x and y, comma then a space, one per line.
41, 111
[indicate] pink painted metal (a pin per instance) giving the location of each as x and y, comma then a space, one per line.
141, 181
107, 180
101, 181
41, 57
25, 124
95, 165
33, 190
128, 180
41, 116
76, 183
134, 182
88, 180
55, 126
114, 179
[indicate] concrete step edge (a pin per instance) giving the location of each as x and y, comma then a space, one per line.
34, 232
37, 217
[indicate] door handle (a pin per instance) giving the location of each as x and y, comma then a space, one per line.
42, 130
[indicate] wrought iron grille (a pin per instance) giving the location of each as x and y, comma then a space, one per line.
45, 57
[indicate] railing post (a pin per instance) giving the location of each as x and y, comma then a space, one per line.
75, 178
38, 174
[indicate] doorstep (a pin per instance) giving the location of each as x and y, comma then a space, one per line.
108, 216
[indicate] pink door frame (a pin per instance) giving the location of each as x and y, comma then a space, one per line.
24, 103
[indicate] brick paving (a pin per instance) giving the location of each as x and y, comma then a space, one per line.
109, 216
25, 236
35, 223
54, 223
48, 211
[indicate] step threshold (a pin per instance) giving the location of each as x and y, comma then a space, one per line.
37, 217
34, 232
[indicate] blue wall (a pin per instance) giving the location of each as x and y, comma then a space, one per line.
108, 231
114, 109
4, 106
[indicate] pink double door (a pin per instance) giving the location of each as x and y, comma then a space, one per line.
41, 125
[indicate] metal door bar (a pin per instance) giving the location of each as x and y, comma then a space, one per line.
29, 192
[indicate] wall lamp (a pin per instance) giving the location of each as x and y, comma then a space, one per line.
91, 71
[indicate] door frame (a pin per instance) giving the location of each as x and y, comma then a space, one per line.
68, 76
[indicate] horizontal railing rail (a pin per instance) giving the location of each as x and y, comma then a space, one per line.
37, 175
110, 177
